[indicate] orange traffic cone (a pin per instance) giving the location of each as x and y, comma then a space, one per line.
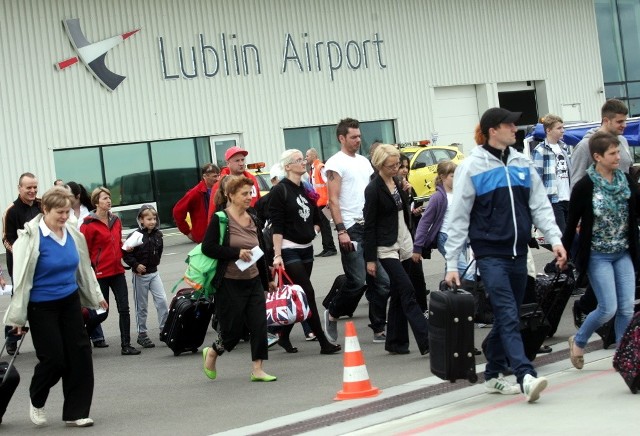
355, 379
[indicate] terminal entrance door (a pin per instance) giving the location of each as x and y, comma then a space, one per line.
220, 144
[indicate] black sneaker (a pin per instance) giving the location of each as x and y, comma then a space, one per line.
12, 347
329, 253
145, 342
100, 344
578, 316
128, 350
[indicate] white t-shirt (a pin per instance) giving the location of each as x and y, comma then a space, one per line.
562, 174
355, 172
445, 219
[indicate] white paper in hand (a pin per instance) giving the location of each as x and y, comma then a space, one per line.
134, 240
256, 253
6, 290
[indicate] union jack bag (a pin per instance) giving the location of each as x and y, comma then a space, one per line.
288, 304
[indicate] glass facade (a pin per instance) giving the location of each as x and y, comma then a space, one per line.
323, 138
619, 35
144, 172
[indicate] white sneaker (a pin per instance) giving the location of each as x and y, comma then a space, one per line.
38, 416
82, 422
532, 387
330, 327
500, 385
271, 340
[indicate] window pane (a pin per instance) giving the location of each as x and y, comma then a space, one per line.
634, 108
609, 37
376, 131
629, 13
174, 173
441, 155
330, 143
615, 91
80, 165
126, 170
203, 151
303, 139
424, 159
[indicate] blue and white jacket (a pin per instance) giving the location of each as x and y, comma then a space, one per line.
495, 205
544, 160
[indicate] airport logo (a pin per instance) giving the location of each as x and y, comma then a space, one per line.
92, 55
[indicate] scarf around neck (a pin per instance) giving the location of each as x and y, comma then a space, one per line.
616, 192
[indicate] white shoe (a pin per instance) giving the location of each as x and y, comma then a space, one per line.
532, 387
82, 422
38, 416
271, 340
500, 385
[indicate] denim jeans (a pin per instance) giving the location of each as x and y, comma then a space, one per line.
505, 280
604, 270
462, 259
355, 269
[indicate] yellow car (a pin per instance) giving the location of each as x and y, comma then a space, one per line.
423, 167
263, 177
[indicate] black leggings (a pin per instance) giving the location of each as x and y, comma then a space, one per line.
300, 273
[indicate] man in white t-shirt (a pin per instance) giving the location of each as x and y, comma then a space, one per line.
348, 174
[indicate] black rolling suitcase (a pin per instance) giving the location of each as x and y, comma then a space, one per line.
188, 321
343, 305
9, 377
451, 346
553, 293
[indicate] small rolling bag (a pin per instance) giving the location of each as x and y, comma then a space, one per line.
343, 305
188, 321
553, 293
626, 359
451, 346
9, 377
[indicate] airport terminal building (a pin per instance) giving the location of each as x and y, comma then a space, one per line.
136, 95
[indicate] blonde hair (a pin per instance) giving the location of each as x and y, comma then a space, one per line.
445, 168
95, 195
381, 153
549, 120
287, 156
58, 196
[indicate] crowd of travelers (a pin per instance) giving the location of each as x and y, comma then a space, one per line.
65, 251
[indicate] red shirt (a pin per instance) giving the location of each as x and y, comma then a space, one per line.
255, 192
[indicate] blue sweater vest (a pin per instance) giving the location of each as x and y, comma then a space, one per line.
55, 274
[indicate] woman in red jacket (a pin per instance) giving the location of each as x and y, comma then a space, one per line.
103, 231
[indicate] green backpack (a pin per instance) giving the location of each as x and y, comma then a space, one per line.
201, 269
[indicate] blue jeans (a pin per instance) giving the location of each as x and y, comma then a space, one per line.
605, 270
505, 280
462, 259
355, 269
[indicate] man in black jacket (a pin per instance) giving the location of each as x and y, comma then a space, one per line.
21, 211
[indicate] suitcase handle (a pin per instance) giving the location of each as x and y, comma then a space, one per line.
25, 329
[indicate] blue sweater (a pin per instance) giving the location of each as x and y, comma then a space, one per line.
55, 274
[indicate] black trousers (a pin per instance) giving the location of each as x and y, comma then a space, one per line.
300, 274
237, 302
416, 274
118, 285
403, 307
325, 232
64, 351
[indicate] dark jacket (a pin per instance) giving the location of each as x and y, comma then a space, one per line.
381, 217
224, 253
292, 213
581, 211
17, 214
431, 221
147, 254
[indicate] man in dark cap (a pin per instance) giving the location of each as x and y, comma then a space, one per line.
497, 196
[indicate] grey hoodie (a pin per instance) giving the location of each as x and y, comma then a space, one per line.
581, 158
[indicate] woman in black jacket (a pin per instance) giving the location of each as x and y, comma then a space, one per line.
295, 222
388, 239
240, 294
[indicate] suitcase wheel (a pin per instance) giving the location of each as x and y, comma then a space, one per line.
351, 315
176, 353
194, 350
473, 377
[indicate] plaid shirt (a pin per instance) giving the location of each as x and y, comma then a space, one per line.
544, 161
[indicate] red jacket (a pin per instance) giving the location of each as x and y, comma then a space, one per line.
105, 244
255, 192
194, 204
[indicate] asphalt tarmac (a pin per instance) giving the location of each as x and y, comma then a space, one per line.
158, 393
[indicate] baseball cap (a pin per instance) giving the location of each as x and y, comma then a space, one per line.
276, 172
495, 116
233, 151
